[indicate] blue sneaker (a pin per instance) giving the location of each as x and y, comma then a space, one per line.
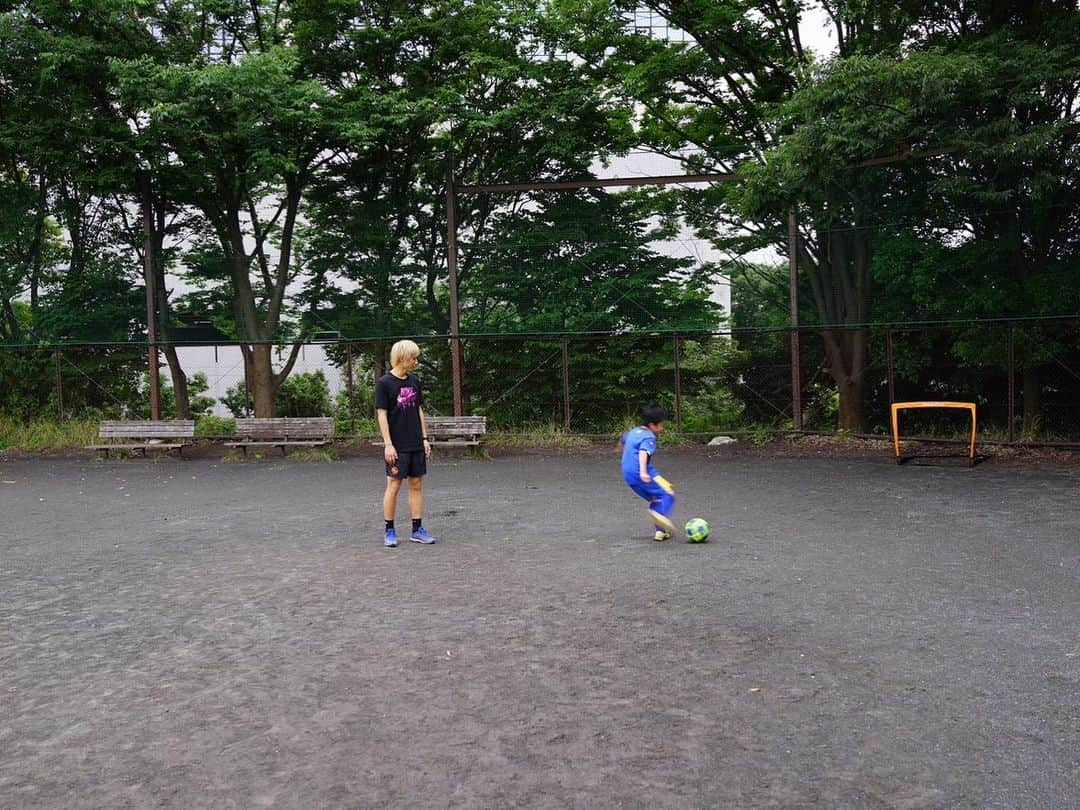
421, 536
391, 539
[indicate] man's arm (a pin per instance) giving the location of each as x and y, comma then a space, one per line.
389, 451
423, 432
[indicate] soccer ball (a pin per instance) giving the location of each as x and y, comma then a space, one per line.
697, 531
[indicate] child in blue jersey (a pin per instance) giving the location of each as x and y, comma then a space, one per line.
641, 476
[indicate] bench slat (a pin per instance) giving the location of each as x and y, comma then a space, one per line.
144, 428
180, 434
141, 445
286, 428
472, 426
281, 443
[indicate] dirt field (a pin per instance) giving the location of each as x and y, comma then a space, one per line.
209, 634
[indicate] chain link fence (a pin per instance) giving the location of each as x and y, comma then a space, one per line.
1024, 377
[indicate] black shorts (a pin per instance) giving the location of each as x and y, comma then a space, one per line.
410, 464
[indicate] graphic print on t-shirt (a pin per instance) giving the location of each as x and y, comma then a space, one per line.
406, 398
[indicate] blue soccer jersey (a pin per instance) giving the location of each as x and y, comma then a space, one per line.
636, 440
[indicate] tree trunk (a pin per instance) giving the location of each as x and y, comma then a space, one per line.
179, 383
263, 383
9, 318
846, 353
851, 413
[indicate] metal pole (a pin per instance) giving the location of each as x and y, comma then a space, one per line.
566, 380
59, 385
1012, 382
892, 376
793, 283
452, 270
349, 387
678, 384
151, 309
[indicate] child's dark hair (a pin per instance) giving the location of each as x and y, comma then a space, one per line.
653, 415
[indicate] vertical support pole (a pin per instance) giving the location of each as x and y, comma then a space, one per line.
59, 384
349, 387
452, 270
793, 283
151, 309
678, 384
566, 381
891, 372
1012, 382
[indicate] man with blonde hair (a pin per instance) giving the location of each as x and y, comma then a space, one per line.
399, 404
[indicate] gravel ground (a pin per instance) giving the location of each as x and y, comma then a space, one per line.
202, 633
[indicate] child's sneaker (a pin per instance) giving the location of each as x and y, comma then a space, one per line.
421, 536
660, 536
391, 539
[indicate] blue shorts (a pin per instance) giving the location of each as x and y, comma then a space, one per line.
651, 491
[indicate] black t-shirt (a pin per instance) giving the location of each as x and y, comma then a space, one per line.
401, 399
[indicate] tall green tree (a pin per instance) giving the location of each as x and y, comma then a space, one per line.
247, 130
744, 93
464, 82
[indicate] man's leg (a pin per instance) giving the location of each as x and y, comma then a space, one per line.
389, 501
417, 470
393, 486
416, 497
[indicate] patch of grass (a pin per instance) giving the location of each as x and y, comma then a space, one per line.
759, 434
359, 440
46, 434
669, 438
311, 454
215, 426
544, 436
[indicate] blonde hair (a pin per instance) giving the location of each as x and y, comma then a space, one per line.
403, 350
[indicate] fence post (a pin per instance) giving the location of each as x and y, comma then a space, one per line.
678, 384
793, 292
452, 272
891, 371
59, 384
349, 387
1012, 382
566, 380
151, 308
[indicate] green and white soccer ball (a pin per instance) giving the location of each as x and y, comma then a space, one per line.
697, 531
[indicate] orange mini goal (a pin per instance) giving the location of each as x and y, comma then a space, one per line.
901, 406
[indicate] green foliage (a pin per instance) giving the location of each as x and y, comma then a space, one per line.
297, 158
304, 395
299, 395
199, 404
46, 434
27, 384
215, 426
237, 400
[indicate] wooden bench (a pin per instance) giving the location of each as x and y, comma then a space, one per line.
132, 434
283, 432
459, 431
